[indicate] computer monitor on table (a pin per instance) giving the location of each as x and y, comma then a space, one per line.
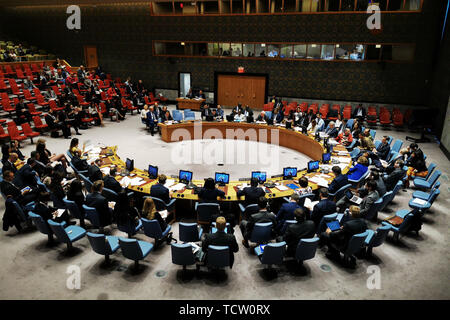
260, 176
313, 166
326, 157
289, 173
185, 176
222, 178
129, 165
152, 172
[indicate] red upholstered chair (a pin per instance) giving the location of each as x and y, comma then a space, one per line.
9, 71
7, 106
14, 133
32, 110
347, 114
28, 96
130, 106
35, 68
56, 90
3, 85
3, 135
29, 132
38, 123
324, 110
54, 106
372, 115
20, 74
385, 118
338, 109
398, 119
267, 107
14, 88
41, 101
81, 101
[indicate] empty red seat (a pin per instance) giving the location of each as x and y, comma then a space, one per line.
28, 96
398, 119
41, 101
27, 131
56, 90
324, 110
38, 123
3, 135
385, 118
81, 101
20, 74
14, 133
54, 107
32, 110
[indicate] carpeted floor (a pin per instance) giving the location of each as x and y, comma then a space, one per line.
415, 268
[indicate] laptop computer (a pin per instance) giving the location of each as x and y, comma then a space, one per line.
353, 198
334, 225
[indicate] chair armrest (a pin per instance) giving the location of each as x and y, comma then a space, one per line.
130, 194
285, 199
171, 203
196, 205
241, 207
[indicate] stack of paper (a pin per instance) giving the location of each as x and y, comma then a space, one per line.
310, 204
136, 181
60, 212
125, 182
241, 187
319, 181
177, 187
282, 188
105, 170
163, 214
195, 247
419, 201
169, 182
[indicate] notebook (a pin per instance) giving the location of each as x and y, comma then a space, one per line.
292, 186
334, 225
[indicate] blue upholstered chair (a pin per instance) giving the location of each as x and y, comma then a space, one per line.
153, 230
377, 143
189, 232
248, 210
205, 211
109, 194
261, 233
177, 115
355, 152
431, 168
130, 228
408, 217
413, 203
397, 145
66, 235
189, 115
161, 206
385, 200
92, 216
351, 145
306, 249
87, 182
339, 193
373, 133
372, 214
56, 202
103, 245
323, 222
355, 245
218, 257
135, 250
376, 238
41, 225
427, 184
182, 255
273, 253
425, 195
74, 211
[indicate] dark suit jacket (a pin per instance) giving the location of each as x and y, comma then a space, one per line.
332, 132
113, 184
342, 236
8, 166
383, 151
80, 164
323, 208
160, 191
295, 232
221, 238
259, 217
286, 212
252, 194
9, 189
99, 202
259, 118
50, 121
25, 177
94, 173
44, 211
391, 180
210, 196
338, 183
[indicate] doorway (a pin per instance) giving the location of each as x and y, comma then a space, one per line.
184, 83
90, 56
244, 89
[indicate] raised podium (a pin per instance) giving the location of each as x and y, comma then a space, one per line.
186, 103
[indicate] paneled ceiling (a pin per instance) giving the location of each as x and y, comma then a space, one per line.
16, 3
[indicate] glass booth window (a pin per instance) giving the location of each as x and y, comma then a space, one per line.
224, 49
213, 49
273, 50
313, 51
260, 50
248, 49
236, 49
300, 51
327, 52
286, 51
350, 51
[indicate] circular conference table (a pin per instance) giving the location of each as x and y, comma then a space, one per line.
247, 131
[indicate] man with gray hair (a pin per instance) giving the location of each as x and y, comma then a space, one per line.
331, 131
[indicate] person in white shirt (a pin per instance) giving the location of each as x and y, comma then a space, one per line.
239, 117
144, 114
312, 126
304, 187
320, 123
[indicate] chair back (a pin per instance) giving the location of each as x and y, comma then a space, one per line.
129, 227
59, 231
386, 197
339, 193
262, 232
377, 143
354, 152
182, 254
87, 182
434, 194
273, 253
397, 188
380, 236
302, 198
98, 243
431, 168
434, 178
188, 232
251, 209
356, 243
109, 194
407, 221
152, 228
159, 204
205, 211
130, 249
92, 215
392, 155
373, 133
73, 209
218, 256
397, 145
39, 223
306, 249
177, 115
350, 123
374, 209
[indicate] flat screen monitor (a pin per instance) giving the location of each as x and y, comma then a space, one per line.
313, 166
222, 178
152, 172
129, 164
326, 157
289, 173
260, 176
185, 176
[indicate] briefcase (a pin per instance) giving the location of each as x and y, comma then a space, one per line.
395, 221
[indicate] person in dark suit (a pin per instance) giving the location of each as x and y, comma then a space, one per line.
75, 193
94, 172
15, 149
111, 182
369, 194
25, 176
338, 240
398, 173
98, 201
286, 212
237, 108
303, 229
252, 193
248, 113
159, 190
359, 113
39, 167
48, 212
262, 117
220, 238
201, 95
206, 113
383, 149
9, 165
323, 208
22, 113
381, 187
8, 188
331, 131
78, 163
260, 217
209, 193
152, 121
339, 181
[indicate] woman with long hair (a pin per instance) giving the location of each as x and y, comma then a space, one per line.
46, 157
149, 212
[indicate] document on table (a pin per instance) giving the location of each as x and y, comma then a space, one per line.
343, 159
136, 181
310, 204
105, 170
169, 182
177, 187
282, 188
241, 187
319, 181
125, 182
342, 153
